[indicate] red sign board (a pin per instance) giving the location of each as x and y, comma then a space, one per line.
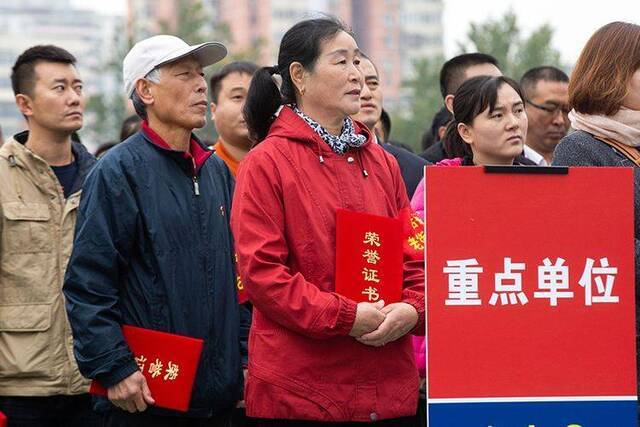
530, 285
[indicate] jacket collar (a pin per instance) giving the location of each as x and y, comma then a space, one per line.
197, 155
17, 154
291, 126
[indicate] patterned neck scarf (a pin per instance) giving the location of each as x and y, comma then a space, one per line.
339, 144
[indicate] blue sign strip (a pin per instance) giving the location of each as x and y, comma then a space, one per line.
535, 414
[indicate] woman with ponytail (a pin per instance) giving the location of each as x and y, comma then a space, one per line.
315, 356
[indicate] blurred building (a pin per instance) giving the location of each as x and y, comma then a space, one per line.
25, 23
395, 33
392, 32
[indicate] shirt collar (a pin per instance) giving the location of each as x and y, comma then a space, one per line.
197, 154
534, 156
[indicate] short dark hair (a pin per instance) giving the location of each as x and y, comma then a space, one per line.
130, 125
546, 73
301, 43
102, 149
368, 58
23, 76
452, 74
430, 135
241, 67
385, 121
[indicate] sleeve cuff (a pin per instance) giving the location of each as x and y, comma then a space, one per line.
346, 316
420, 327
118, 374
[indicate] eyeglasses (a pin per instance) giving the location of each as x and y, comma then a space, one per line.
551, 108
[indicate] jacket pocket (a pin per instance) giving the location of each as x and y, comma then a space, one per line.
25, 343
27, 228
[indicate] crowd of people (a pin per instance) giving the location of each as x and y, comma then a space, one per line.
234, 241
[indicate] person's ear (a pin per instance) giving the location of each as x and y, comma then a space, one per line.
448, 102
143, 89
213, 111
298, 76
25, 104
466, 133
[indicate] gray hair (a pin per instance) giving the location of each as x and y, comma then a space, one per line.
138, 105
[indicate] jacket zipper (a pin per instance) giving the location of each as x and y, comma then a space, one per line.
196, 186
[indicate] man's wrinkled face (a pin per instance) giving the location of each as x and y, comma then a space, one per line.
181, 95
335, 82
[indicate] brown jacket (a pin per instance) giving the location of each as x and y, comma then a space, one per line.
36, 235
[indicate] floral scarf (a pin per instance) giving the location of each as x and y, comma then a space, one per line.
339, 144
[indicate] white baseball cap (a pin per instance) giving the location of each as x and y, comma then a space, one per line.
155, 51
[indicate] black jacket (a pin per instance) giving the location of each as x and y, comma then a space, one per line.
152, 253
411, 166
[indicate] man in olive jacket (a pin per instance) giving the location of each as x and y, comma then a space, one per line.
41, 173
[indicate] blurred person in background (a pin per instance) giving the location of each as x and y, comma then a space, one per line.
130, 125
453, 73
547, 105
382, 129
411, 166
436, 131
229, 88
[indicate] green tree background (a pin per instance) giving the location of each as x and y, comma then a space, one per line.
108, 110
501, 38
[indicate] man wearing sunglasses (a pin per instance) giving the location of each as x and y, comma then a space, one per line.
546, 92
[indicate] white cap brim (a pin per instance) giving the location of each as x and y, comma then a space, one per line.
205, 53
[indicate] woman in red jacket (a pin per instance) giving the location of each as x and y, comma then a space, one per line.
316, 356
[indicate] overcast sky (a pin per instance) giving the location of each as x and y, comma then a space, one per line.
573, 21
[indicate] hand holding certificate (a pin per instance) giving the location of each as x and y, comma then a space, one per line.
168, 365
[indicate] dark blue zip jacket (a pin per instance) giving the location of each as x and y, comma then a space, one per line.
153, 249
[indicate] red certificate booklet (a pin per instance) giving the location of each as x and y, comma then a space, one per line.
167, 361
368, 257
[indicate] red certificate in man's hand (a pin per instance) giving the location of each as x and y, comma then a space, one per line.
369, 257
168, 362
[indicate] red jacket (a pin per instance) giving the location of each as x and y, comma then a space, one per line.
302, 362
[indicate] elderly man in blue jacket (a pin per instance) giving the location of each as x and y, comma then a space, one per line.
153, 247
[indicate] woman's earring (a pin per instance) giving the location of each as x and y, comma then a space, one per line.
302, 90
